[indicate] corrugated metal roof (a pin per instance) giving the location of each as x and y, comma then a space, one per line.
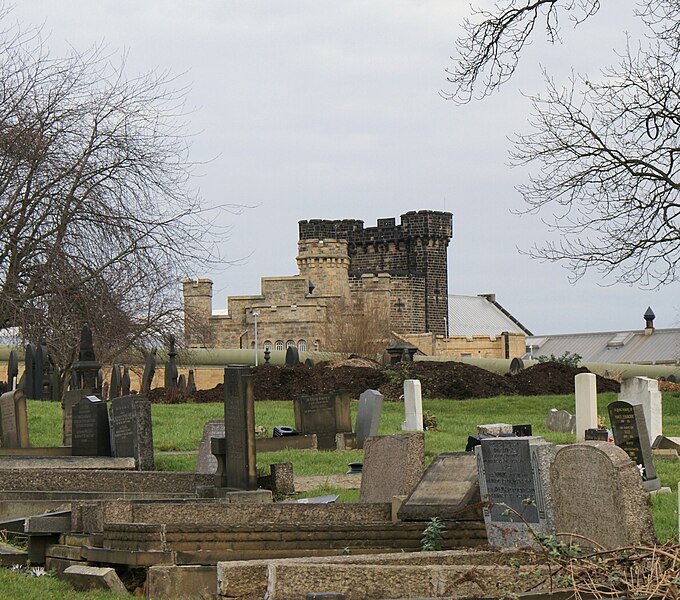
474, 316
662, 346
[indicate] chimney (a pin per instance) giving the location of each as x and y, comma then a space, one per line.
649, 321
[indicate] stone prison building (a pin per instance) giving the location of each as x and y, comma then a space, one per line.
394, 274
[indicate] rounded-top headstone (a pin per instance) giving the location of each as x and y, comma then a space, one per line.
309, 362
672, 378
292, 357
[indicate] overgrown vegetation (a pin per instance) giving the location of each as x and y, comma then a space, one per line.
569, 359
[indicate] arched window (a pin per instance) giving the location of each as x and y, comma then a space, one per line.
279, 344
267, 345
290, 343
302, 345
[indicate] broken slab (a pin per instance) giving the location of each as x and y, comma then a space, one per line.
94, 578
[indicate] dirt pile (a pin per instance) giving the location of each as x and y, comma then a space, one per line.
452, 380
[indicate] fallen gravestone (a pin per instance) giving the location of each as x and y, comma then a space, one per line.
630, 434
561, 420
368, 416
598, 495
514, 482
131, 433
393, 465
324, 415
90, 432
448, 489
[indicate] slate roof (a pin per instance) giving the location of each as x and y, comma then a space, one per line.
634, 346
477, 316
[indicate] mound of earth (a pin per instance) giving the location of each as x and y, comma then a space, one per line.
452, 380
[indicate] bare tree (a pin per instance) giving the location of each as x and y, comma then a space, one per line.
358, 326
605, 148
98, 219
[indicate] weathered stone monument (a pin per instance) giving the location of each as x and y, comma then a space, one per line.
325, 415
131, 433
14, 420
368, 416
86, 368
69, 400
561, 420
206, 462
646, 391
240, 468
514, 481
171, 374
393, 465
149, 371
585, 385
413, 406
116, 385
598, 494
12, 370
630, 434
125, 382
90, 432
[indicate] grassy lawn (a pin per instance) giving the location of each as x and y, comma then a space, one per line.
179, 427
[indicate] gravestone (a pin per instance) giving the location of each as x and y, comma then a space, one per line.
69, 400
514, 482
627, 419
393, 465
447, 490
86, 368
561, 420
646, 391
368, 416
191, 382
149, 371
585, 386
125, 382
14, 420
31, 374
116, 386
292, 357
131, 433
239, 429
413, 406
495, 429
182, 383
597, 435
90, 433
522, 430
12, 370
325, 415
605, 501
206, 462
170, 375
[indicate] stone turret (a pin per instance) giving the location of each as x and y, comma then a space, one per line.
325, 264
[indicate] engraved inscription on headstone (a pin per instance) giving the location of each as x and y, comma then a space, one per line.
90, 428
630, 434
131, 433
325, 415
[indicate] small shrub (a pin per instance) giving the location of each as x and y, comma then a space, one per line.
568, 359
430, 422
432, 536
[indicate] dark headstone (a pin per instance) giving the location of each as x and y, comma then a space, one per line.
86, 368
325, 415
239, 428
292, 356
14, 420
630, 434
309, 362
69, 400
182, 383
131, 433
522, 430
170, 375
672, 378
125, 382
191, 383
368, 416
149, 371
12, 370
31, 385
284, 431
90, 433
100, 379
597, 435
355, 468
44, 376
116, 386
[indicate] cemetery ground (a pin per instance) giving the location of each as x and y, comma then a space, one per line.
178, 429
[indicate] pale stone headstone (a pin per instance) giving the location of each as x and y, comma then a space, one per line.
90, 432
598, 494
14, 420
630, 434
514, 481
413, 406
585, 385
495, 429
206, 462
393, 465
131, 433
368, 416
561, 420
239, 429
325, 415
646, 391
448, 488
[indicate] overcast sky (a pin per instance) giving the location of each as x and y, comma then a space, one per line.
331, 110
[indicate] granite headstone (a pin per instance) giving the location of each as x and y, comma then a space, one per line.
131, 433
325, 415
368, 416
90, 433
